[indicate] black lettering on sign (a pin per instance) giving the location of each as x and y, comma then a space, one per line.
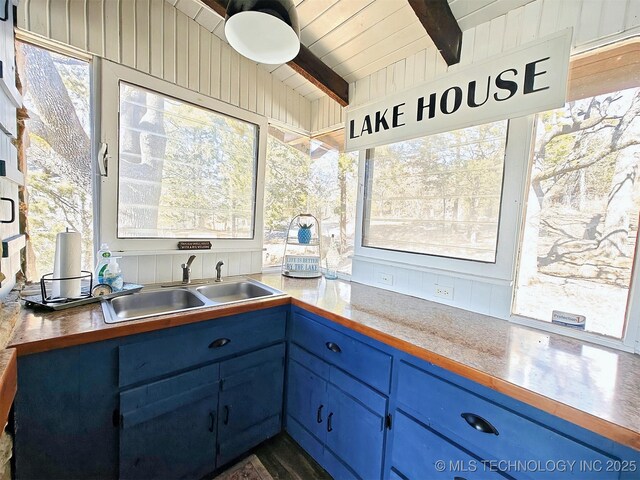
380, 120
352, 125
530, 75
471, 94
366, 125
508, 85
431, 106
396, 116
457, 100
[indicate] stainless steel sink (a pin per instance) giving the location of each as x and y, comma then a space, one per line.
161, 301
233, 292
146, 304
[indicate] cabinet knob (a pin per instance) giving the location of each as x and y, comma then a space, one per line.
479, 423
319, 415
226, 414
212, 421
220, 342
333, 347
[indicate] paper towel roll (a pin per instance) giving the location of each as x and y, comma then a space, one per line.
67, 264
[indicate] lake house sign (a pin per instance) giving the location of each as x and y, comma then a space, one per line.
529, 79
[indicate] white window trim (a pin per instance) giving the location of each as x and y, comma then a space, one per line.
517, 169
111, 74
514, 177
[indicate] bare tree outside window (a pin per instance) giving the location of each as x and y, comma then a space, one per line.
184, 171
582, 212
56, 90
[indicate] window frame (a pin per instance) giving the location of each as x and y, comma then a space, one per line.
110, 76
630, 340
500, 271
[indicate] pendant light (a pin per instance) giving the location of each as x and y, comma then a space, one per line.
265, 31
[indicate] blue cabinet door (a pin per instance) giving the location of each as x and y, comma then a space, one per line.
251, 397
168, 428
307, 400
355, 433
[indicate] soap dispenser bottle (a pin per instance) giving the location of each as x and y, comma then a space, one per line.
103, 260
113, 275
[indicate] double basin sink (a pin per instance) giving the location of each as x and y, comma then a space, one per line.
162, 301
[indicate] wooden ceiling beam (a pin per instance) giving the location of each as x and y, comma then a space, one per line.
442, 27
306, 64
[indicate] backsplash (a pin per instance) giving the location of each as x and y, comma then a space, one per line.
165, 267
475, 295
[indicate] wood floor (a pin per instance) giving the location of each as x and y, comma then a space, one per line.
285, 460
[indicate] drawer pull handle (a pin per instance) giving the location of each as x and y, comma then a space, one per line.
334, 347
329, 427
13, 206
479, 423
459, 478
212, 421
226, 414
319, 416
220, 342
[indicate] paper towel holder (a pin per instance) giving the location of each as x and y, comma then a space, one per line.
49, 278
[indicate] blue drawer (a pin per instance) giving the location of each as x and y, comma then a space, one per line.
199, 344
363, 361
419, 453
441, 405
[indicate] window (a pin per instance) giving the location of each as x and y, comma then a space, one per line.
58, 153
185, 171
179, 166
581, 224
437, 195
305, 175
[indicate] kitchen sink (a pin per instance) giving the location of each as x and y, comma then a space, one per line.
233, 292
162, 301
146, 304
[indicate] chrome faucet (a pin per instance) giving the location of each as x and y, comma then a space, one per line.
186, 270
218, 271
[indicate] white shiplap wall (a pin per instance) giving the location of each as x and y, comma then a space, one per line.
595, 22
154, 37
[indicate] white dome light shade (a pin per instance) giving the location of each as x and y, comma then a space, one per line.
265, 31
261, 37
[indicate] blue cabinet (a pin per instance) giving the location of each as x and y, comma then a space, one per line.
338, 419
480, 433
250, 402
168, 428
420, 452
152, 405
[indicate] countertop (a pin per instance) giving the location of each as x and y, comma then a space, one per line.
592, 386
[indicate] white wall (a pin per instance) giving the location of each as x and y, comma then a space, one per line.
154, 37
595, 23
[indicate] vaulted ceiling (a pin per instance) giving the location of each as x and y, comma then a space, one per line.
357, 37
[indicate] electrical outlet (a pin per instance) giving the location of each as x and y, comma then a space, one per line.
444, 292
385, 278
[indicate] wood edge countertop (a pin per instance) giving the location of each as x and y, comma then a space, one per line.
581, 418
27, 339
8, 382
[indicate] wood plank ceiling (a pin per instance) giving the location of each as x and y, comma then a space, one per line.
357, 37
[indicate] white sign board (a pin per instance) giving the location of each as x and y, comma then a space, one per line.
529, 79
